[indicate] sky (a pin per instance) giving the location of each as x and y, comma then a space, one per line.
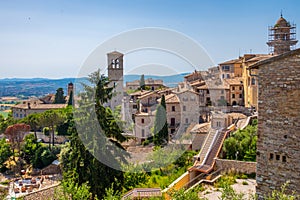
54, 39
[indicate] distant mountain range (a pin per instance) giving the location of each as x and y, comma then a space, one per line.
26, 87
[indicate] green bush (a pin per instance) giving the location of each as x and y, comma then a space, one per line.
46, 131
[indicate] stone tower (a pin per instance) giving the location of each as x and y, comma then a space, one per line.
282, 37
115, 75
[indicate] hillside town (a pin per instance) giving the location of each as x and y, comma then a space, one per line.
202, 113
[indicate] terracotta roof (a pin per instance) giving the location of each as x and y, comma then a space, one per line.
147, 94
274, 58
39, 106
234, 61
214, 85
171, 98
237, 115
186, 90
140, 93
259, 58
201, 128
234, 81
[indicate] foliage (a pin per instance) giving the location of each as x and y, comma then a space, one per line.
110, 194
183, 194
29, 148
242, 144
142, 82
51, 119
33, 121
225, 180
4, 123
43, 157
78, 162
72, 191
5, 153
229, 194
161, 135
71, 97
282, 194
59, 96
46, 131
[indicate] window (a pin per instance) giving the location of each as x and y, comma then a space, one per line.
207, 91
222, 91
240, 95
277, 157
222, 98
186, 120
134, 106
218, 124
143, 133
233, 96
271, 156
226, 68
241, 88
193, 98
223, 76
252, 81
227, 76
185, 99
143, 121
173, 108
283, 158
233, 88
184, 108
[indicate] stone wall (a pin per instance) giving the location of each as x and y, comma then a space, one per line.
46, 193
236, 166
278, 151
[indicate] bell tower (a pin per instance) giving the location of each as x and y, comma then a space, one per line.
115, 75
282, 37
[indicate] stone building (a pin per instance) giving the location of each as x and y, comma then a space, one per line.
153, 84
236, 91
231, 68
278, 142
143, 124
26, 108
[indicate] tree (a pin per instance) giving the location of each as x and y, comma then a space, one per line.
29, 148
87, 143
43, 157
242, 144
51, 119
5, 152
15, 134
59, 96
142, 82
33, 121
161, 135
70, 101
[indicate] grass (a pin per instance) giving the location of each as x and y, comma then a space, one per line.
245, 183
4, 114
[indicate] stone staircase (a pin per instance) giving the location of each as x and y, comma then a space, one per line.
206, 146
209, 161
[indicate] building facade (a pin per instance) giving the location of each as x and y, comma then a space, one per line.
278, 142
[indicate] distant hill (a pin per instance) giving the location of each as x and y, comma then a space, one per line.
26, 87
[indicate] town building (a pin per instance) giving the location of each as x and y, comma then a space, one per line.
152, 84
26, 108
278, 142
231, 68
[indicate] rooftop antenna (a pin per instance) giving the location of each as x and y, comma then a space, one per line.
281, 13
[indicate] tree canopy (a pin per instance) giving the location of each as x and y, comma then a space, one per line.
160, 131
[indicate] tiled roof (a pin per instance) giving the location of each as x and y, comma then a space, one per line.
171, 98
234, 81
39, 106
140, 93
201, 128
234, 61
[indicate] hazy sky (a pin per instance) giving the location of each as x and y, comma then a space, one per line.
54, 38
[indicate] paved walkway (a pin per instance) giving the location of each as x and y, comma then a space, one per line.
239, 187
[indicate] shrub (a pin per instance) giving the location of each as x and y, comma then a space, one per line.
46, 130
